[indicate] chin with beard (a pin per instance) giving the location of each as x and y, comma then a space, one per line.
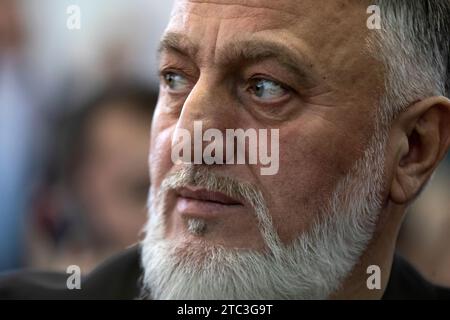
312, 267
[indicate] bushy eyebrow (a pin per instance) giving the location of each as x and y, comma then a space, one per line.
249, 50
177, 42
254, 50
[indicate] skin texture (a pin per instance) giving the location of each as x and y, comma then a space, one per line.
325, 120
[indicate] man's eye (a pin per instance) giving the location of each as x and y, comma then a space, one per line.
175, 81
265, 89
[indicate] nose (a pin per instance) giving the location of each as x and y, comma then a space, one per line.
206, 114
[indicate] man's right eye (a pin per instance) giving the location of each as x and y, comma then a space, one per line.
175, 82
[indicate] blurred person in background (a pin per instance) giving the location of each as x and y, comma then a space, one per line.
21, 133
46, 72
94, 201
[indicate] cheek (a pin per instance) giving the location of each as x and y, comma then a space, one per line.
160, 161
310, 168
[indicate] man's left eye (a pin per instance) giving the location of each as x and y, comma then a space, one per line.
265, 89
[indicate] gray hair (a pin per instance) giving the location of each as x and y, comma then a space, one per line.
414, 46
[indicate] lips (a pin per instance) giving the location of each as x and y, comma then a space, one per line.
202, 194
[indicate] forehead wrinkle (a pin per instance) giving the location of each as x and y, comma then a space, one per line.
237, 7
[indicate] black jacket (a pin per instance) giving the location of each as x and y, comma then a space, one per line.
119, 278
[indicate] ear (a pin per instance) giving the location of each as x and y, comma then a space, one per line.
421, 142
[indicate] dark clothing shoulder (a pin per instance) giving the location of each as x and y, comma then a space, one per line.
119, 278
116, 278
406, 283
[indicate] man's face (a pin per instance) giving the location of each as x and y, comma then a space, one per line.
298, 66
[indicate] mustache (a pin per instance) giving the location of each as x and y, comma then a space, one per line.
204, 177
201, 176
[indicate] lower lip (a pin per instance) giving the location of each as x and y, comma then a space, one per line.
205, 209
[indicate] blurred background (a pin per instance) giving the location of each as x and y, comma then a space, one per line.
75, 114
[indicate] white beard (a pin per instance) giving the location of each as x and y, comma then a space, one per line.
312, 267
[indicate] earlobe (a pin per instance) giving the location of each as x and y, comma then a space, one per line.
423, 139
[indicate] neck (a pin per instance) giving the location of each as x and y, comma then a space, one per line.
379, 252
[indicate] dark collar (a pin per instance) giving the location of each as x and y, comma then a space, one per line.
406, 283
